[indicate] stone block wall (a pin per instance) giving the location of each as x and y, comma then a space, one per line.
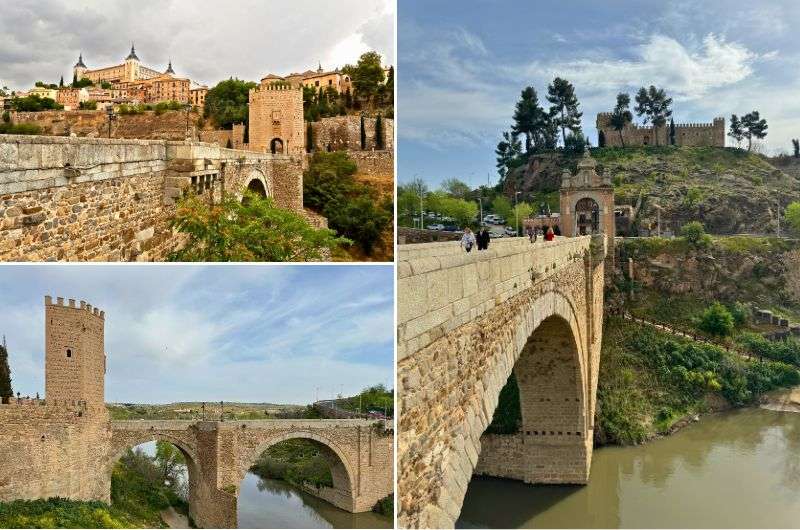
686, 134
343, 133
374, 163
81, 199
408, 236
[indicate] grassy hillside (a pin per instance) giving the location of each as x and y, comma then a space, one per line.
728, 190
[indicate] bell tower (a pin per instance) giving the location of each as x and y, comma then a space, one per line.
132, 64
75, 360
79, 69
587, 202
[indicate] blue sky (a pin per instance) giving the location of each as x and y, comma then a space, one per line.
208, 333
461, 69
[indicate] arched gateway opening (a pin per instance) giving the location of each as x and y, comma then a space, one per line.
297, 481
538, 433
155, 479
587, 217
276, 146
257, 187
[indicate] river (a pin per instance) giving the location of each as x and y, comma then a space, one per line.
738, 469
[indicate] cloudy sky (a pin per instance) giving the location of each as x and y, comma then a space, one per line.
208, 333
460, 71
208, 40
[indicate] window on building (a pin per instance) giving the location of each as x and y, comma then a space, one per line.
316, 83
69, 352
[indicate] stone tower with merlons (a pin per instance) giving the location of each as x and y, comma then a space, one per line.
75, 359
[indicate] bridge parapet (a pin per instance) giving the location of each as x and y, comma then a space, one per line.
444, 287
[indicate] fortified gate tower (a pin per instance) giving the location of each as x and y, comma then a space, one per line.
587, 202
75, 360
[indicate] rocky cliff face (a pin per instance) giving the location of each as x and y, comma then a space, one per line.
730, 191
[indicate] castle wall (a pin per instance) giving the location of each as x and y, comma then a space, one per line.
78, 199
343, 133
686, 134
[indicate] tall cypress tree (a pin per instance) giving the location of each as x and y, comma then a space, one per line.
309, 138
363, 134
379, 133
671, 131
5, 375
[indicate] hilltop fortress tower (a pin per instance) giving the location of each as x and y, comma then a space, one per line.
75, 360
276, 118
686, 134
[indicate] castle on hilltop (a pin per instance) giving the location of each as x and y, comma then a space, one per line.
686, 134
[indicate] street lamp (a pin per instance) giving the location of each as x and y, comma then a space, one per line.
480, 202
516, 211
112, 116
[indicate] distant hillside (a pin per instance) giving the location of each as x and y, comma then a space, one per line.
729, 190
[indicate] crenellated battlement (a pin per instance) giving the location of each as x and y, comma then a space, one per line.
83, 305
694, 134
68, 405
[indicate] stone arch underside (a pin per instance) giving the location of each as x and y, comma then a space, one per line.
544, 333
120, 443
342, 494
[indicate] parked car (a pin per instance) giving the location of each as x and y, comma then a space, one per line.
488, 218
510, 231
499, 221
495, 235
437, 226
450, 228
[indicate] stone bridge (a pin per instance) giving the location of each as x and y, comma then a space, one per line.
465, 321
85, 199
219, 454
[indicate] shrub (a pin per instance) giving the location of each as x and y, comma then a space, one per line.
251, 230
716, 320
21, 128
695, 234
88, 105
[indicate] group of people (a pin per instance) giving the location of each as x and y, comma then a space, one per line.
481, 240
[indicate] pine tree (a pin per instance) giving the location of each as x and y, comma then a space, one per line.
61, 83
753, 126
796, 145
379, 133
348, 99
564, 109
735, 129
601, 139
671, 131
74, 79
5, 374
363, 134
621, 116
654, 105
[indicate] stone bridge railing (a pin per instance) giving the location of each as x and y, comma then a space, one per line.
444, 287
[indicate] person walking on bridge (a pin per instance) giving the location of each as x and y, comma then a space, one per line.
468, 239
550, 235
483, 239
532, 233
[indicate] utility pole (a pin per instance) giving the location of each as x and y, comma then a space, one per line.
480, 202
516, 211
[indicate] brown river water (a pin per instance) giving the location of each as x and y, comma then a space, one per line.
736, 469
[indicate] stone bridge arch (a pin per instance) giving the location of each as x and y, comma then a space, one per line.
344, 491
530, 309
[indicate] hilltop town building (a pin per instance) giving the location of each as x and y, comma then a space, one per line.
131, 81
686, 134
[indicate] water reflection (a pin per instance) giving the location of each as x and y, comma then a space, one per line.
738, 469
268, 503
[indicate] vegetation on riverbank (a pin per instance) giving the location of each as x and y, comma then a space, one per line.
138, 495
376, 398
299, 462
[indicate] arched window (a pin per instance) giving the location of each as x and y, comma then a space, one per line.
69, 352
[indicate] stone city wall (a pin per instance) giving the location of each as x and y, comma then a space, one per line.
343, 133
464, 322
373, 163
87, 199
170, 125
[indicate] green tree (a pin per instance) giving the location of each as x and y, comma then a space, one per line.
576, 143
379, 133
654, 105
82, 83
564, 107
695, 234
61, 82
502, 207
796, 147
716, 320
105, 85
522, 210
671, 131
6, 392
735, 130
367, 76
456, 188
309, 138
170, 462
88, 105
34, 103
753, 126
529, 119
363, 134
508, 154
353, 209
793, 216
621, 116
251, 230
226, 103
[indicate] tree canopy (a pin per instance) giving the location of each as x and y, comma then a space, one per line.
654, 105
5, 375
621, 116
226, 103
564, 107
367, 75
